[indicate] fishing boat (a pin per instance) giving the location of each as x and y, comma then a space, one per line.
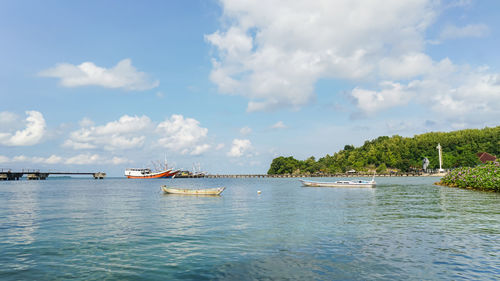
146, 173
160, 171
186, 191
342, 183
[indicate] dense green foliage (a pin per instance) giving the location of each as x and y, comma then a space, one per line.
399, 153
484, 177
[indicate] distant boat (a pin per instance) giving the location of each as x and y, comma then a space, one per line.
148, 174
186, 191
343, 183
160, 171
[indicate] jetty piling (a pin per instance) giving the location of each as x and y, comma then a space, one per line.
99, 175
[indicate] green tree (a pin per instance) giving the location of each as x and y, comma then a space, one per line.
396, 152
382, 168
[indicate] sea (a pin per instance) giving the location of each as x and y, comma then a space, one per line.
406, 228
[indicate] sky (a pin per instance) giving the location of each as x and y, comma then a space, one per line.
226, 86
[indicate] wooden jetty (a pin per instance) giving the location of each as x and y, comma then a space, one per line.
182, 176
7, 174
345, 175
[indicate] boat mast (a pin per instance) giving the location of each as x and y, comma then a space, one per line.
165, 163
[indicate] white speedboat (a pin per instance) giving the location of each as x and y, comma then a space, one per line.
342, 183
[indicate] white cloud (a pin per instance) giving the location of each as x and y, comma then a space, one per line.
392, 94
406, 66
239, 147
116, 135
220, 146
452, 92
470, 30
463, 95
200, 149
80, 159
31, 135
53, 159
78, 144
279, 125
119, 160
20, 158
84, 159
245, 131
273, 52
182, 134
126, 124
86, 122
123, 75
4, 159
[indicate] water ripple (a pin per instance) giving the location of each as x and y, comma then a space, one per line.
406, 228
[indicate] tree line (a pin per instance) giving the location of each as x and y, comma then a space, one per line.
459, 149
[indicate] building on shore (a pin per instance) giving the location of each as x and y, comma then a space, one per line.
486, 157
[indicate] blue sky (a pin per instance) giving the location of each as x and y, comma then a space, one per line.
230, 85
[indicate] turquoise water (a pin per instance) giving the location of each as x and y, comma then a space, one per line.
87, 229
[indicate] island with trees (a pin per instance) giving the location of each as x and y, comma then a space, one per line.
398, 154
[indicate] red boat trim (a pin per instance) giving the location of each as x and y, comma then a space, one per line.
153, 176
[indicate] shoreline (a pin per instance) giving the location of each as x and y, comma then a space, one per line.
318, 176
465, 188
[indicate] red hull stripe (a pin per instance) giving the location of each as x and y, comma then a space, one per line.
172, 173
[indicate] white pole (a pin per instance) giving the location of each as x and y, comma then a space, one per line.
440, 158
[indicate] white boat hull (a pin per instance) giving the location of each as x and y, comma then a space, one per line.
148, 174
354, 183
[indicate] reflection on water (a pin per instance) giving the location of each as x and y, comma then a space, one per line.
128, 229
19, 221
21, 216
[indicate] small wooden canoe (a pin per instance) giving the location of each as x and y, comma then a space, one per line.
186, 191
